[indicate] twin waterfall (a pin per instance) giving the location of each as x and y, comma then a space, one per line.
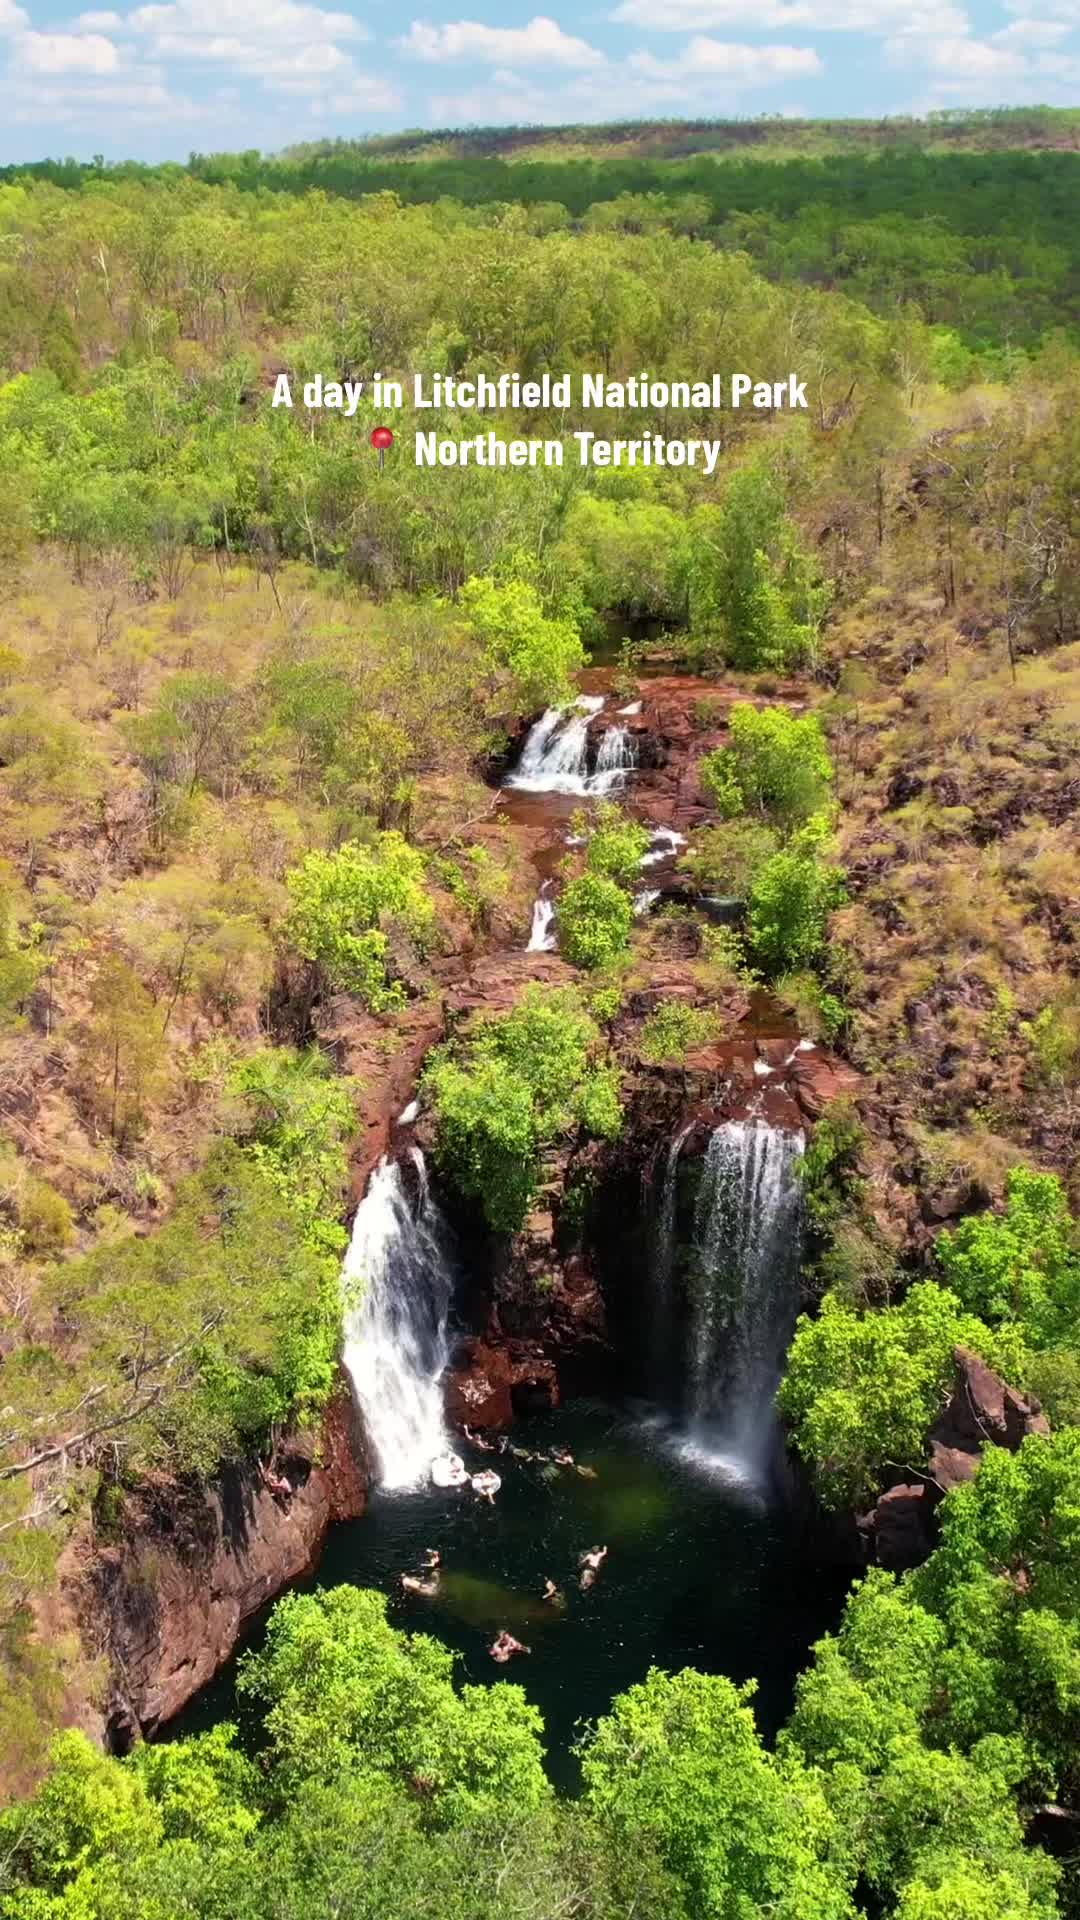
719, 1339
396, 1346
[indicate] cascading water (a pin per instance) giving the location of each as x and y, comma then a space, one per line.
555, 757
741, 1286
542, 936
615, 760
396, 1346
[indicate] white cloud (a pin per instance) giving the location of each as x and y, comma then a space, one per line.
12, 18
98, 22
705, 74
249, 23
960, 57
731, 59
66, 53
542, 41
770, 16
1032, 33
1059, 9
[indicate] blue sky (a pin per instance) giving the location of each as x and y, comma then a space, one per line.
156, 80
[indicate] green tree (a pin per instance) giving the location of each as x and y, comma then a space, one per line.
530, 659
595, 916
678, 1761
345, 1695
121, 1049
776, 764
1023, 1265
862, 1389
346, 904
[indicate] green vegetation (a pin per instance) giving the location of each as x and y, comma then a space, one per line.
863, 1388
674, 1030
776, 763
1023, 1266
250, 686
510, 1086
345, 907
927, 1729
595, 917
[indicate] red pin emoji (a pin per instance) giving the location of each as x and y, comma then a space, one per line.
381, 439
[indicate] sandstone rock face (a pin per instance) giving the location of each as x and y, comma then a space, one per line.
981, 1411
167, 1603
479, 1386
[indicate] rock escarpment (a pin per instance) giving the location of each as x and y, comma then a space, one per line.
166, 1601
981, 1411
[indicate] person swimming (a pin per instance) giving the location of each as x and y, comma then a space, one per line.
477, 1440
552, 1595
504, 1646
487, 1485
416, 1583
590, 1564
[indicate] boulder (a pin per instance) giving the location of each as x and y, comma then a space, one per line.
478, 1386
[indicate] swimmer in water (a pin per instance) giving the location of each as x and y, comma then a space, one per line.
552, 1595
415, 1583
487, 1485
590, 1564
562, 1457
477, 1440
432, 1558
504, 1646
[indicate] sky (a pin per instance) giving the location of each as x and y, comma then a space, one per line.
156, 81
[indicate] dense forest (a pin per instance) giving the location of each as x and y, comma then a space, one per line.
253, 688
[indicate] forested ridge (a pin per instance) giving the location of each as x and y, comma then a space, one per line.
252, 691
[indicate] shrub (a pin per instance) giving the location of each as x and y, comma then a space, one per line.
776, 763
674, 1030
1023, 1265
616, 844
790, 902
595, 918
343, 904
510, 1086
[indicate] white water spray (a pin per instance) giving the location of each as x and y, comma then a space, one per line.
747, 1234
555, 758
542, 937
396, 1347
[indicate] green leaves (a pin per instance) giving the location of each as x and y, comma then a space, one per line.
862, 1389
595, 916
1023, 1265
343, 906
347, 1695
512, 1086
777, 763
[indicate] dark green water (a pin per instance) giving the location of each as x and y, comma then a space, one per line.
700, 1572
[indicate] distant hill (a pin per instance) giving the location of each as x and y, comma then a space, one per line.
990, 129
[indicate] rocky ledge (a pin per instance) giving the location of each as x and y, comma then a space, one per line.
900, 1531
165, 1601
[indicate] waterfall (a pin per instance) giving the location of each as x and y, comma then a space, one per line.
744, 1289
542, 937
737, 1294
396, 1346
555, 759
615, 761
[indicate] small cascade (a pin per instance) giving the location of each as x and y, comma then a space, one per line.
555, 757
542, 937
396, 1346
740, 1288
615, 761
